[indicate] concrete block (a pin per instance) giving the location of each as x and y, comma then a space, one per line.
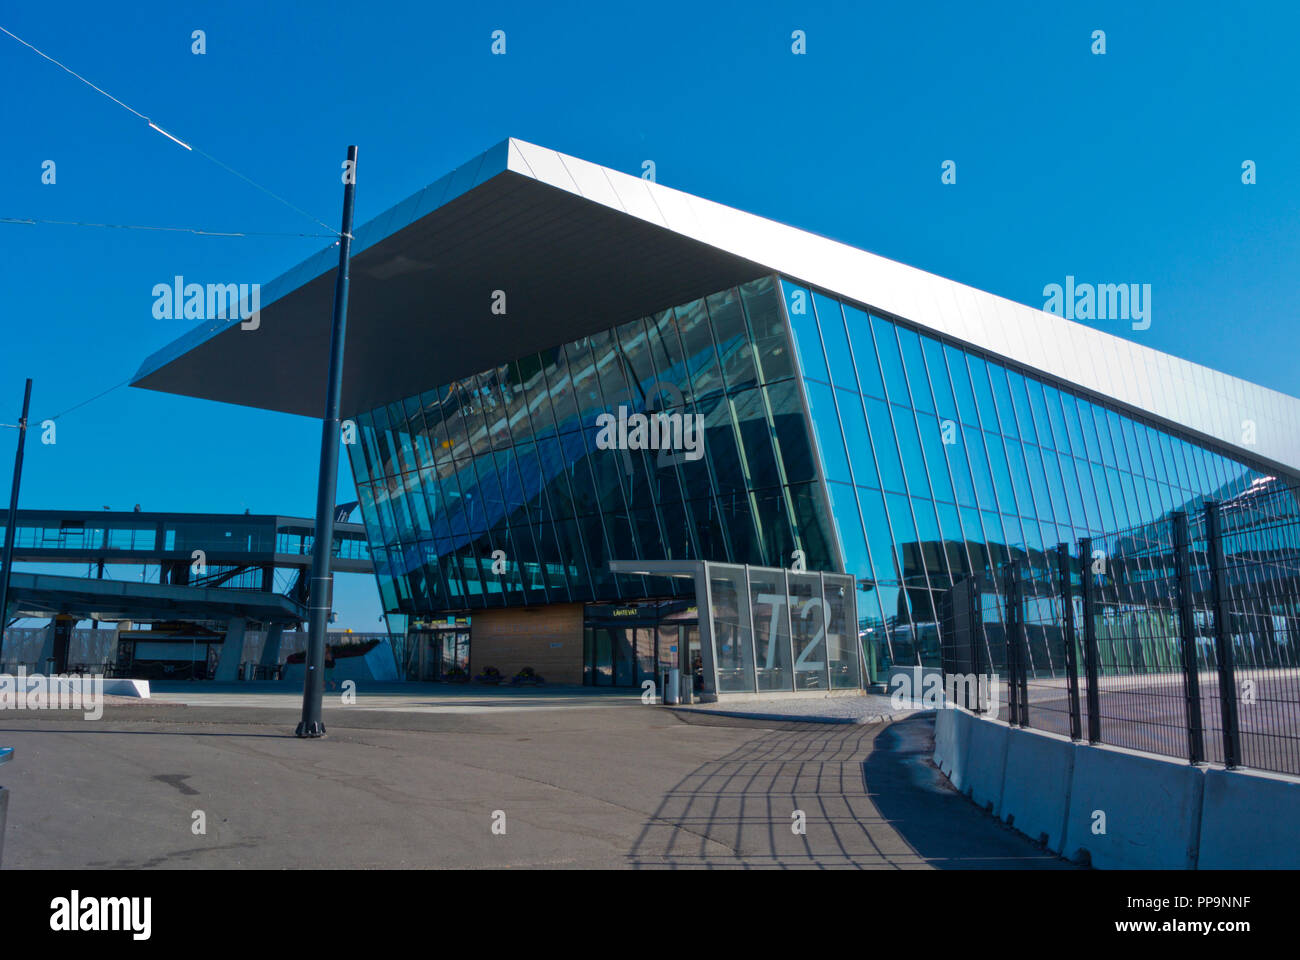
945, 740
1151, 808
1036, 788
1250, 820
985, 764
957, 726
127, 688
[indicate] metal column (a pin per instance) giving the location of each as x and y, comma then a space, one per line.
1088, 592
1066, 572
1222, 637
1187, 639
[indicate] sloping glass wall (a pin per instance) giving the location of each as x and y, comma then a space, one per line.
499, 489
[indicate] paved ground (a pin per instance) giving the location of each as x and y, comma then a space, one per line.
400, 697
609, 783
873, 707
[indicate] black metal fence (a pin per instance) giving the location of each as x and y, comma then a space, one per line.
1177, 637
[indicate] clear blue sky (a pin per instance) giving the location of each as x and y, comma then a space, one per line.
1117, 168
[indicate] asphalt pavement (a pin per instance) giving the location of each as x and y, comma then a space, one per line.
583, 783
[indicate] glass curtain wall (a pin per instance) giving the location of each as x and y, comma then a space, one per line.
940, 461
492, 491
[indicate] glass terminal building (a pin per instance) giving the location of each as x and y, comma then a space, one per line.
869, 434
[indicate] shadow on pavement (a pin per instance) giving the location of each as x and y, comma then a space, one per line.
866, 795
945, 828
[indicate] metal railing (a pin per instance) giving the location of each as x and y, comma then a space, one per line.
1178, 637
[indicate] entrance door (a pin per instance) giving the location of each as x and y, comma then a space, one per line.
624, 639
670, 645
433, 653
625, 645
452, 653
694, 660
602, 658
646, 656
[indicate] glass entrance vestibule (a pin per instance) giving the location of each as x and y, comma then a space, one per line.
438, 651
625, 644
768, 630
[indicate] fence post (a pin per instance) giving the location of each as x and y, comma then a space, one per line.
1222, 641
1067, 634
1022, 653
1187, 639
975, 629
1016, 639
1088, 592
1011, 608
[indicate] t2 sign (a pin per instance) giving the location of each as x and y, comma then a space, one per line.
805, 611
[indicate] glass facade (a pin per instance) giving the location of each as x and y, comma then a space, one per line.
873, 448
940, 461
493, 491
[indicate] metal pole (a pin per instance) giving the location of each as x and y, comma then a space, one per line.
13, 515
1222, 639
1022, 644
1067, 634
1011, 605
974, 625
1088, 592
321, 596
1187, 639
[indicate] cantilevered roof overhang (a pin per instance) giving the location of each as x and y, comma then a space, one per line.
422, 282
578, 248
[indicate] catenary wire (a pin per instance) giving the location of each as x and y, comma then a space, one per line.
155, 126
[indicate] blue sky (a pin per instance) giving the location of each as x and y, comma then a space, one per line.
1124, 167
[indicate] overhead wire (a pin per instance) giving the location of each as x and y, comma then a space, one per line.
33, 221
169, 136
332, 234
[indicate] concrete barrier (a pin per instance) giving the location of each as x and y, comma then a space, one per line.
1157, 812
985, 762
1037, 783
945, 740
127, 688
1149, 806
958, 725
1250, 820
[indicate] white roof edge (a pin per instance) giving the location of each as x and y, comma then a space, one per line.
1225, 404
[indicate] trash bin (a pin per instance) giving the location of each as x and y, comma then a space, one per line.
6, 754
672, 689
687, 694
